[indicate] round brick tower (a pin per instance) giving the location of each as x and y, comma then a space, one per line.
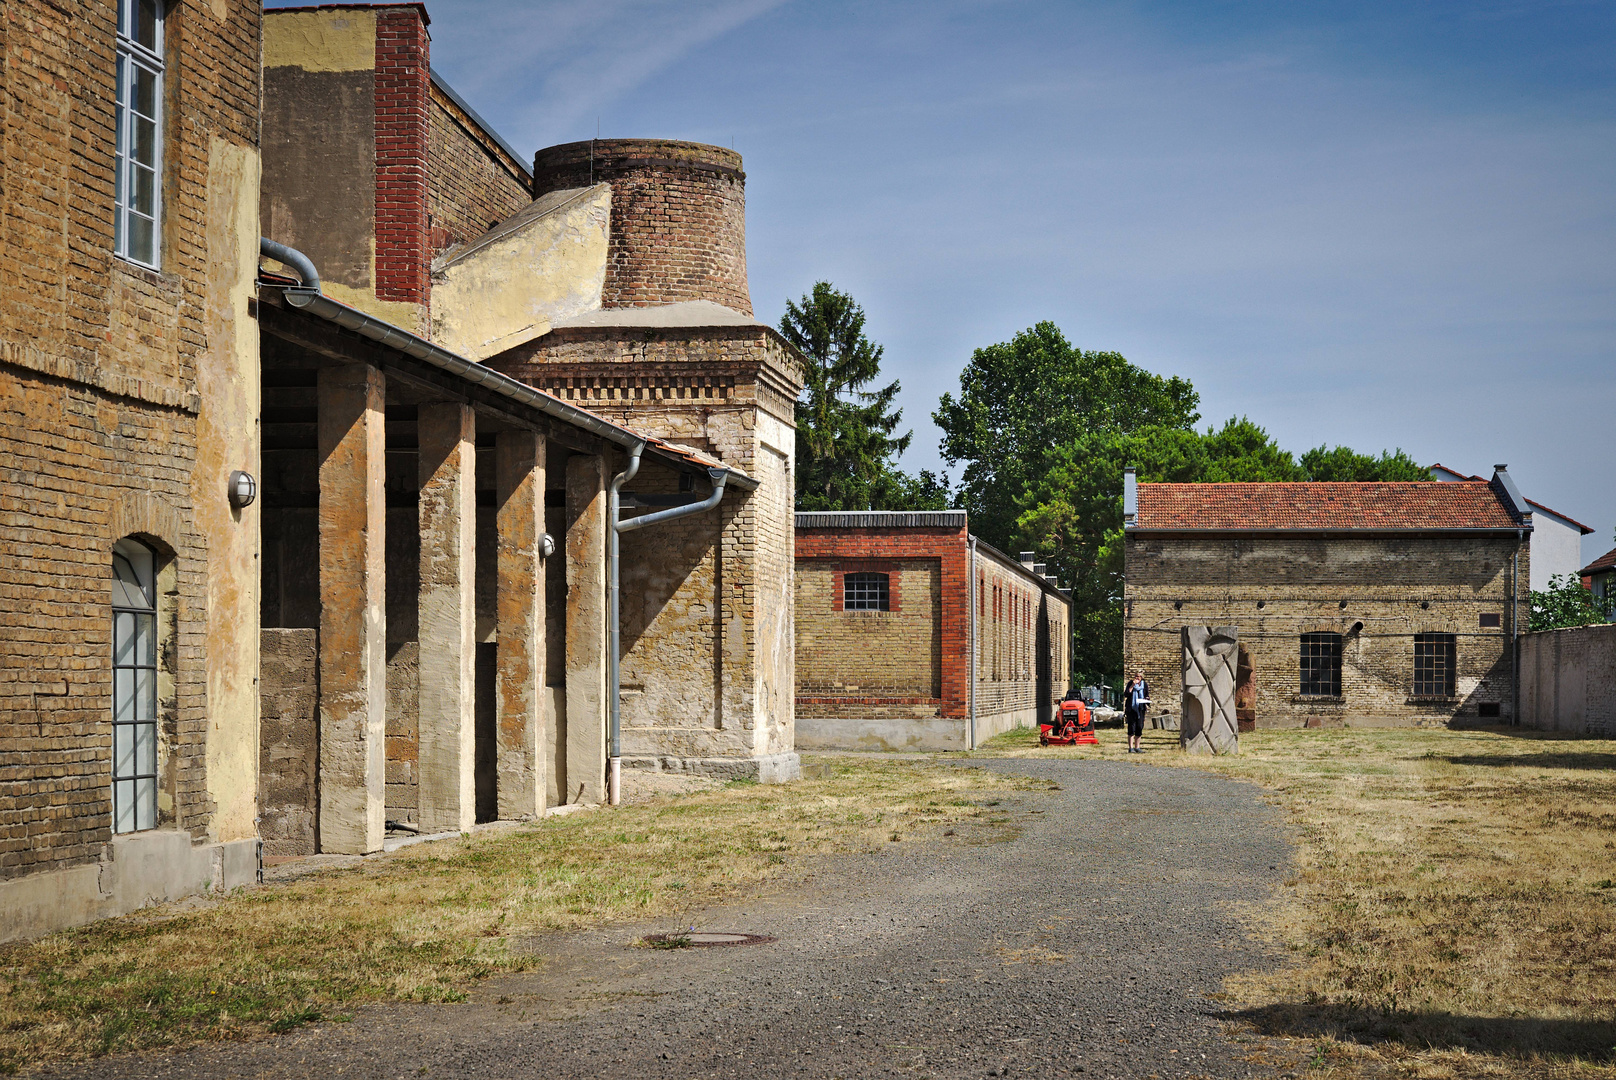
678, 217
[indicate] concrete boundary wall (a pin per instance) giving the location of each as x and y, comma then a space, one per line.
1568, 680
135, 869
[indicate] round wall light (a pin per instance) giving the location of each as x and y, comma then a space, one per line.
546, 545
243, 489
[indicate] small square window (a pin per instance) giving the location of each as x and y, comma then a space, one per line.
865, 592
1492, 618
1487, 708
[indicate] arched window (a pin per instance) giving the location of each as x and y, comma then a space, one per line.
866, 592
134, 687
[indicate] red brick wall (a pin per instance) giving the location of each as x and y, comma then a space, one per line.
403, 108
678, 229
858, 546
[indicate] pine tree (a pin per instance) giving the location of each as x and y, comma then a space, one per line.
846, 448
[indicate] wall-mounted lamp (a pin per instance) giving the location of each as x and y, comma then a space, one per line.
546, 545
243, 489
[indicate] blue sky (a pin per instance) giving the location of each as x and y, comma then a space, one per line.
1377, 224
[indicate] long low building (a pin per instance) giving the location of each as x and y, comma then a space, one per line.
1393, 604
912, 634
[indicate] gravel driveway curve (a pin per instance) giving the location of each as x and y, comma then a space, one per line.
1073, 932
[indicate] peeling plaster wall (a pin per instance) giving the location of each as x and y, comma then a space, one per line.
320, 130
227, 387
505, 289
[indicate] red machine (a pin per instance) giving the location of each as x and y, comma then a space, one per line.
1073, 725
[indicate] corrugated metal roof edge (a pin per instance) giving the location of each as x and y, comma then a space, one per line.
880, 519
1502, 530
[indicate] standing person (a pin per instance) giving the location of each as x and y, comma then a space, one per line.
1135, 700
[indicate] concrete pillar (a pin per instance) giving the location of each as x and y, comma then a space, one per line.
522, 743
586, 628
447, 436
353, 619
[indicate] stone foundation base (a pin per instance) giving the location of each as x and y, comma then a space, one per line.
769, 769
137, 869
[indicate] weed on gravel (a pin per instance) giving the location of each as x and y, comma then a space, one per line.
422, 923
1452, 912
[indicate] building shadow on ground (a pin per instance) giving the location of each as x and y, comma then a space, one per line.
1589, 1040
1546, 760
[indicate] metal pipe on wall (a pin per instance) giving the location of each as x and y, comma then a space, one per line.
970, 666
1515, 628
615, 526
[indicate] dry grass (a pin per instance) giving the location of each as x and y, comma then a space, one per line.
1453, 908
423, 923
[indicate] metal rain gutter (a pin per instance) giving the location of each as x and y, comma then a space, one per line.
308, 297
616, 525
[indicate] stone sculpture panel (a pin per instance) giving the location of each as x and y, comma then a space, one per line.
1210, 657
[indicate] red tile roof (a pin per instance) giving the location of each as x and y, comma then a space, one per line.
1424, 505
1607, 561
1536, 505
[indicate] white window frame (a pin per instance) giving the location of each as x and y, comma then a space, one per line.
134, 688
132, 55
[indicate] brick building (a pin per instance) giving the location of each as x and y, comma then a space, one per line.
499, 359
888, 606
128, 394
1356, 603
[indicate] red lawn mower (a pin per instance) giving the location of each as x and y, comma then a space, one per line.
1072, 724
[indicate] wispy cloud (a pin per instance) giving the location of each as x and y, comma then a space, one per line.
554, 67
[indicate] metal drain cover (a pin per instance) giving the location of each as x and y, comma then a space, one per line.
706, 939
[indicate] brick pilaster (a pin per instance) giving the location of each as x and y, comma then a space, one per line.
403, 114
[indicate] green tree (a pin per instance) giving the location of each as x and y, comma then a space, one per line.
1342, 463
1072, 513
897, 490
1565, 603
1243, 453
1021, 400
846, 448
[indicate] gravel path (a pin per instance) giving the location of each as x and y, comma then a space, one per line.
1072, 932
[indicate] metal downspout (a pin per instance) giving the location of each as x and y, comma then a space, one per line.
615, 526
1515, 632
970, 664
614, 633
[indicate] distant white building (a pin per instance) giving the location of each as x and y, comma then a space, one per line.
1556, 539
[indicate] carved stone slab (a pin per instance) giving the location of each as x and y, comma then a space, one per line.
1210, 658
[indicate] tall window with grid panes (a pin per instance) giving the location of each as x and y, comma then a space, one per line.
138, 185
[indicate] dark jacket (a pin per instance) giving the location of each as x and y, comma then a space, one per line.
1127, 695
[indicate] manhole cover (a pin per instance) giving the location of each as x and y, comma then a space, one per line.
704, 940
